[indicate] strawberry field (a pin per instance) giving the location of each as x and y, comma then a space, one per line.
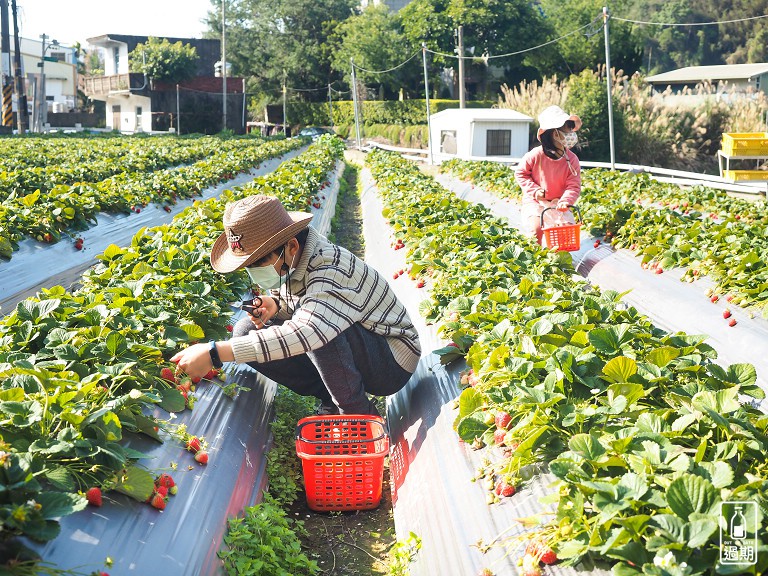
618, 439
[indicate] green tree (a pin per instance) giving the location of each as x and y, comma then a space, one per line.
161, 60
269, 41
374, 39
491, 27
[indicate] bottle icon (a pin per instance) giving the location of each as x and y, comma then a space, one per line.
738, 524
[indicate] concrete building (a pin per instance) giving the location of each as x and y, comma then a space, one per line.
727, 81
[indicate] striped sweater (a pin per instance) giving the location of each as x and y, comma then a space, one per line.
331, 289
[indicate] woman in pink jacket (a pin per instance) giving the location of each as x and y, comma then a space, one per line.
550, 174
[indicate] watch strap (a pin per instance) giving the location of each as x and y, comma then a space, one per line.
214, 353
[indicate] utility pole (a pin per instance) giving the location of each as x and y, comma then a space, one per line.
462, 95
224, 65
607, 17
22, 116
330, 106
285, 108
42, 113
426, 93
5, 49
354, 104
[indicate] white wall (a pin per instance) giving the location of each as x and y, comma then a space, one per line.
519, 137
471, 137
129, 121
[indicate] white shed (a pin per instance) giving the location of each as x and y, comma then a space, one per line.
479, 133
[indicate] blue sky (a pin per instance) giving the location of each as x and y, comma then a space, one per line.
69, 21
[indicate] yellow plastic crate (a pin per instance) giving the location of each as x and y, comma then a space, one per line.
745, 143
740, 175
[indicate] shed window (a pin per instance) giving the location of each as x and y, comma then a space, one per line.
448, 141
498, 142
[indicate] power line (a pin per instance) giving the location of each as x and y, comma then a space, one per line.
688, 23
390, 69
488, 57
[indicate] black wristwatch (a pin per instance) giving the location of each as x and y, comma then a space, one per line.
215, 360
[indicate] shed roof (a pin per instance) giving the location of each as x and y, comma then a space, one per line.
699, 73
493, 114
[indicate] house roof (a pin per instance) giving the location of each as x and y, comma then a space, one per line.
475, 114
714, 73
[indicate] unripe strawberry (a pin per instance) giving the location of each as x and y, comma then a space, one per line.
498, 436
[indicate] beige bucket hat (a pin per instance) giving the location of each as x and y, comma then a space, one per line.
253, 227
555, 117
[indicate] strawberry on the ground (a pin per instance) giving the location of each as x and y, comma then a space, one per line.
193, 444
165, 480
202, 457
732, 322
93, 495
503, 419
158, 501
504, 489
726, 313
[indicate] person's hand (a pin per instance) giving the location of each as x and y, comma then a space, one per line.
262, 316
194, 361
562, 206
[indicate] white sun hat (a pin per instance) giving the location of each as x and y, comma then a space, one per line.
555, 117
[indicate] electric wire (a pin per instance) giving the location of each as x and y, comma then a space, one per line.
389, 69
688, 23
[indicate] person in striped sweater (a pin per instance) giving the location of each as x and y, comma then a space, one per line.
324, 324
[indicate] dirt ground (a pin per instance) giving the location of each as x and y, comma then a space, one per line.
349, 543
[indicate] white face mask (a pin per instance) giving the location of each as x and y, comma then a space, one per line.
266, 277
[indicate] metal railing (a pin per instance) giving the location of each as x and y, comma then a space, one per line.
102, 85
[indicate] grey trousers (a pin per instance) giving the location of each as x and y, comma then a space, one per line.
354, 363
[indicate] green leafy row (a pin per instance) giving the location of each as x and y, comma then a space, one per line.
80, 370
64, 209
706, 231
643, 430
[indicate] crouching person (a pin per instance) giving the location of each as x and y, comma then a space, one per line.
325, 324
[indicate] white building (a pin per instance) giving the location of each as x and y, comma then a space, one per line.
60, 75
479, 134
727, 81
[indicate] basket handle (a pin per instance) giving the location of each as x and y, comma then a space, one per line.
575, 208
368, 420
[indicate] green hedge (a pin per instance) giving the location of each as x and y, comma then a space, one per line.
402, 112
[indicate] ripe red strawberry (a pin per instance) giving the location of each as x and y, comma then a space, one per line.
548, 555
395, 275
503, 419
726, 313
714, 298
167, 374
193, 445
162, 490
420, 284
167, 208
202, 457
165, 480
659, 270
196, 380
597, 243
48, 237
229, 328
212, 373
729, 297
732, 322
504, 489
94, 496
158, 501
498, 436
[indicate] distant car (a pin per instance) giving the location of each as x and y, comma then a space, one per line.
315, 132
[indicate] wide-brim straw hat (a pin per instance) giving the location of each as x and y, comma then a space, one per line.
555, 117
253, 227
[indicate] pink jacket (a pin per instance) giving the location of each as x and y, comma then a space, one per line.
537, 171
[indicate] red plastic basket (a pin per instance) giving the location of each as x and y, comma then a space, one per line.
566, 237
343, 460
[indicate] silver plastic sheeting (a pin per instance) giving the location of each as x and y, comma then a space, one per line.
672, 305
184, 539
431, 471
35, 265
